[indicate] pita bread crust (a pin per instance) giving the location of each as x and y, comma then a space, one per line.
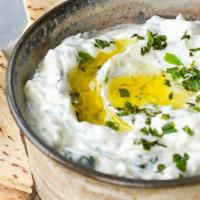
12, 194
3, 64
14, 164
36, 8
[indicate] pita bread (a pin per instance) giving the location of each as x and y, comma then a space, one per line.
36, 8
15, 170
11, 194
3, 64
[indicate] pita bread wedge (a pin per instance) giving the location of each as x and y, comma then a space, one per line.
36, 8
3, 64
15, 171
12, 194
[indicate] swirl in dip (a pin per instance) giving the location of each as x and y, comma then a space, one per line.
123, 101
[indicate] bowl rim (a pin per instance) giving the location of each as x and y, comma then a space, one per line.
52, 153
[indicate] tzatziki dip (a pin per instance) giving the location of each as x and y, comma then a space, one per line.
123, 101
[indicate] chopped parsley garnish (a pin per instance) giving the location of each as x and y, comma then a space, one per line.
148, 121
127, 109
112, 125
88, 162
101, 43
157, 42
172, 59
190, 54
169, 128
192, 83
84, 56
148, 46
150, 131
195, 49
188, 130
124, 92
165, 116
175, 72
168, 83
194, 107
138, 36
185, 36
181, 161
190, 76
131, 109
160, 168
75, 97
147, 145
150, 112
197, 99
192, 65
171, 96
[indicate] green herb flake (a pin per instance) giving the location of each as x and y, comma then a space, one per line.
167, 83
101, 44
192, 65
148, 121
196, 108
127, 109
84, 56
165, 116
169, 128
197, 100
150, 131
147, 145
171, 96
144, 130
124, 92
130, 108
112, 125
138, 36
160, 168
174, 71
190, 54
188, 130
185, 36
172, 59
75, 98
190, 76
181, 161
195, 49
192, 83
157, 42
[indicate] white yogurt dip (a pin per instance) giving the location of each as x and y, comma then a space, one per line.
123, 101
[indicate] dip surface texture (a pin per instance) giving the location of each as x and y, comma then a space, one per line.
123, 101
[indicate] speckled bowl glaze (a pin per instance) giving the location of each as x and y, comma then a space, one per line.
55, 176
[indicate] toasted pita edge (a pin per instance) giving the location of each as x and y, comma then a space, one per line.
36, 8
10, 139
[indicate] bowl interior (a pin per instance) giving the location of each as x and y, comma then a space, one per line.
70, 18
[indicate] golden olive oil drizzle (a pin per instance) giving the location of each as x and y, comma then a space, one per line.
146, 89
90, 107
143, 89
